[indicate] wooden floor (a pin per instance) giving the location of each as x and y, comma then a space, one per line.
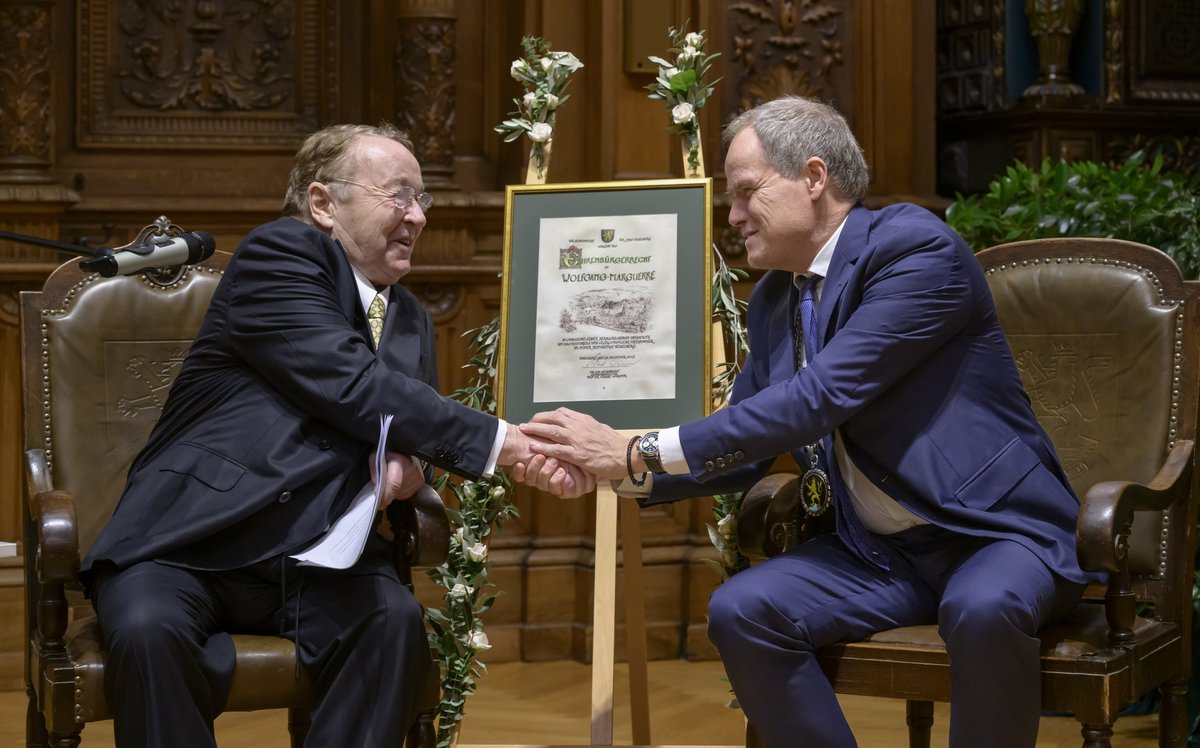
545, 703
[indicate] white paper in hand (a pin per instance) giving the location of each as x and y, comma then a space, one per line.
343, 543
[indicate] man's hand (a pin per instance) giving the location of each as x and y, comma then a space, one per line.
580, 440
546, 474
404, 478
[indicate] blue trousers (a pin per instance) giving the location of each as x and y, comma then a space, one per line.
170, 659
988, 598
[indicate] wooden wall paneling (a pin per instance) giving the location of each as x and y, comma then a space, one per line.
895, 107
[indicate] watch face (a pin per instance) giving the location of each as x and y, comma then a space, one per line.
649, 444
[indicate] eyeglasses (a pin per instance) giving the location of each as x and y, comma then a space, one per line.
403, 196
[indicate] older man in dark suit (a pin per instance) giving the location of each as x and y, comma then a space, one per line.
878, 361
262, 445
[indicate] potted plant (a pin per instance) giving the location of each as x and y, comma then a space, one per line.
1134, 200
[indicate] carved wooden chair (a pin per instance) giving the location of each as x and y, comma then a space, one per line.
1106, 334
99, 355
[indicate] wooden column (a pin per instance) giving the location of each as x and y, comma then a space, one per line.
425, 88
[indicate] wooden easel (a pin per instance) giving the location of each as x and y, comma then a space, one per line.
604, 598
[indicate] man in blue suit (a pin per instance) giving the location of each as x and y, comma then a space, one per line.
878, 361
263, 443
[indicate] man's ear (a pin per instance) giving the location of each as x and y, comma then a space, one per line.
320, 205
816, 174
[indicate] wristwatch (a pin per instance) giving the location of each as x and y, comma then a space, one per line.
648, 449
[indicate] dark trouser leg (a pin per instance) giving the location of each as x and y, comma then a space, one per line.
768, 621
162, 676
991, 610
362, 633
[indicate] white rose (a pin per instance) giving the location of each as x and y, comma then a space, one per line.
477, 552
726, 525
551, 101
529, 99
693, 39
479, 641
683, 113
547, 63
518, 67
541, 132
460, 590
686, 54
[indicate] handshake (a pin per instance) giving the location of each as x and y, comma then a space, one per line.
564, 452
561, 452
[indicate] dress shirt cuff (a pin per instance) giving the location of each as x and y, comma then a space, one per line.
670, 451
497, 444
624, 487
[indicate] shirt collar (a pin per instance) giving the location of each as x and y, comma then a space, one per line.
366, 290
820, 264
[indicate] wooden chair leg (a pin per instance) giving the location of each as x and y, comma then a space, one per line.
919, 716
1097, 736
299, 720
35, 724
1172, 715
752, 740
422, 734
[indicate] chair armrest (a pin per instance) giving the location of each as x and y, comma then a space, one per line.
52, 513
421, 528
772, 518
1106, 514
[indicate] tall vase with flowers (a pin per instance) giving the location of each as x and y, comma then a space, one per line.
545, 74
680, 84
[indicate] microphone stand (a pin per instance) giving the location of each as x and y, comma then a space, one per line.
89, 264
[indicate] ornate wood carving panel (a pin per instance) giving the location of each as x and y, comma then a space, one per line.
1165, 51
209, 74
25, 47
778, 47
425, 88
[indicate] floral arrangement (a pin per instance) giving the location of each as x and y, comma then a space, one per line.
458, 636
680, 83
544, 73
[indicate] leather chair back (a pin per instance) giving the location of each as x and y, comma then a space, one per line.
1097, 382
105, 352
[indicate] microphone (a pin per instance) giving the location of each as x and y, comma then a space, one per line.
160, 251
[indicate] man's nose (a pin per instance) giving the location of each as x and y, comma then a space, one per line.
737, 215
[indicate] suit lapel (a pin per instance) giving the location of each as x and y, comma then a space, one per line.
849, 247
780, 341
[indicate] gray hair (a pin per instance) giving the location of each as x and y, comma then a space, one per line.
325, 155
793, 129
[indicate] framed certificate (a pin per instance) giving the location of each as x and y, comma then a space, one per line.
606, 305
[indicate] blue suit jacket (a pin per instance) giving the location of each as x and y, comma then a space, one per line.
916, 374
265, 436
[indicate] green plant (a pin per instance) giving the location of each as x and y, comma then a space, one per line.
1134, 200
457, 628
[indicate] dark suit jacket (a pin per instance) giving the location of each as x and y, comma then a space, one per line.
265, 436
916, 373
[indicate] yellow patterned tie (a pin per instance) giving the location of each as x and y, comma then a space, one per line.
375, 318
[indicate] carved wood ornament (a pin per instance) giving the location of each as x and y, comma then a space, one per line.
782, 47
160, 72
25, 46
